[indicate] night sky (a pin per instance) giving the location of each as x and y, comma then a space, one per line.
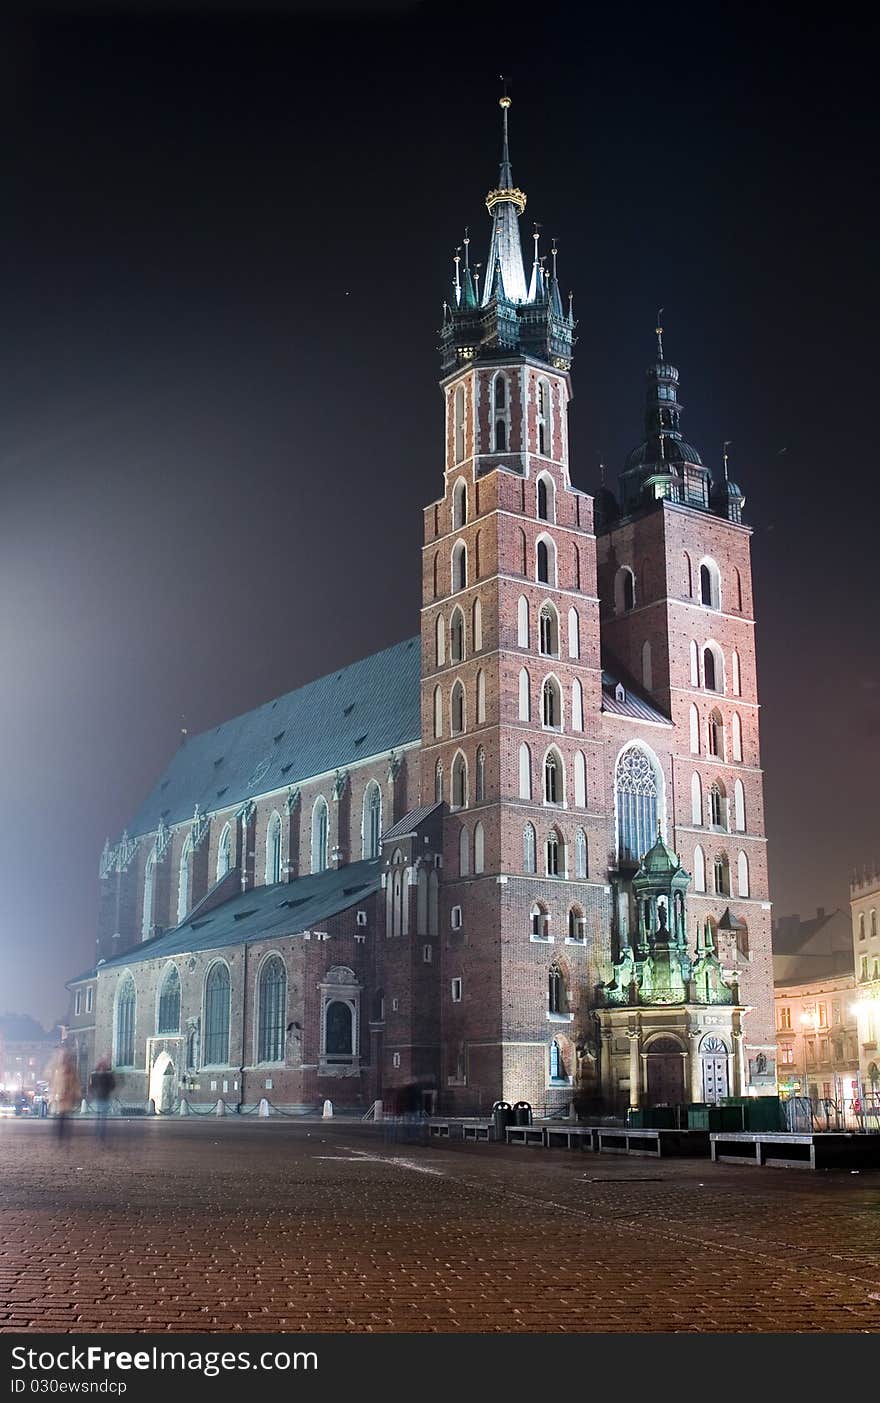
225, 242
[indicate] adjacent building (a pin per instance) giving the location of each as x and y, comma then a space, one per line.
816, 1025
865, 905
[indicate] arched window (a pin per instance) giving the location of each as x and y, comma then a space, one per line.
320, 826
458, 415
149, 887
459, 566
440, 641
456, 637
735, 677
524, 696
272, 1002
183, 880
525, 772
436, 568
479, 849
500, 387
716, 734
480, 780
438, 782
438, 713
481, 696
500, 436
873, 923
696, 800
500, 411
545, 561
338, 1029
273, 850
528, 848
742, 875
581, 863
721, 869
540, 922
688, 576
457, 709
736, 736
695, 664
737, 590
739, 807
576, 924
126, 1008
522, 622
557, 993
624, 590
717, 805
544, 418
168, 1018
699, 869
713, 668
459, 797
217, 1016
477, 555
372, 820
577, 706
694, 723
710, 584
557, 1069
574, 634
464, 852
555, 855
477, 626
459, 505
523, 553
224, 852
580, 780
549, 622
647, 671
551, 704
637, 788
546, 493
554, 778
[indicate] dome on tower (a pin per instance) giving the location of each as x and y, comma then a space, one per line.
659, 860
674, 449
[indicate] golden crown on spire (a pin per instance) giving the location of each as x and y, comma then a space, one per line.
513, 197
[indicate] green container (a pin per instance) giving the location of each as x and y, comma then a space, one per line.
636, 1119
699, 1117
763, 1113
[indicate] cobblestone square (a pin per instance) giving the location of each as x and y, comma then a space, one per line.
231, 1225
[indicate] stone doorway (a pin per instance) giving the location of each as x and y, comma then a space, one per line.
664, 1072
713, 1055
163, 1084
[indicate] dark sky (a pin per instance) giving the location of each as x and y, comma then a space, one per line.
225, 241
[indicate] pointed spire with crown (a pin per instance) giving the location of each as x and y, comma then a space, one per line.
502, 315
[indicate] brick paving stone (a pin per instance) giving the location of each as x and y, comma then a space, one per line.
185, 1226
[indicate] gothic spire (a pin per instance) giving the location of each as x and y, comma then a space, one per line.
506, 204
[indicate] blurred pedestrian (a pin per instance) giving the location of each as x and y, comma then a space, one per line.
65, 1089
101, 1086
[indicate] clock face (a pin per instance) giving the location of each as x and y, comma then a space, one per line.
261, 770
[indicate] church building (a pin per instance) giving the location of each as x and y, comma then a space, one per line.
520, 856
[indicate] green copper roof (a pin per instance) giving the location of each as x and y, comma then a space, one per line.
659, 859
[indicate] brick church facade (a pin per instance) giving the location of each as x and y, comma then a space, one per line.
520, 856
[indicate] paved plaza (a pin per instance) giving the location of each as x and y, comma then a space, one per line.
212, 1225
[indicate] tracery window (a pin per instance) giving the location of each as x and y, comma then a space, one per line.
168, 1020
126, 1006
272, 998
372, 823
637, 791
217, 1016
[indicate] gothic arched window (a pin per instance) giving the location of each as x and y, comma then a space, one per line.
459, 505
479, 848
551, 704
272, 1002
149, 887
320, 825
216, 1051
556, 993
458, 421
721, 868
577, 705
576, 924
624, 590
545, 561
224, 852
183, 880
126, 1007
456, 637
710, 585
524, 696
529, 864
500, 436
546, 498
554, 855
438, 782
549, 631
480, 778
459, 797
713, 668
581, 864
477, 626
440, 641
457, 709
554, 781
372, 823
557, 1070
540, 922
637, 793
459, 567
525, 772
717, 805
273, 850
522, 622
716, 735
168, 1019
464, 852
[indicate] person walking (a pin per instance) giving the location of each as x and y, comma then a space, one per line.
101, 1086
65, 1090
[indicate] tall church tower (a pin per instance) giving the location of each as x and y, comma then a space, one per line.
511, 679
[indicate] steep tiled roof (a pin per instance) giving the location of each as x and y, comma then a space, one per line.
633, 703
286, 908
410, 822
365, 709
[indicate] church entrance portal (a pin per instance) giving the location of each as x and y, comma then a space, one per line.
713, 1055
664, 1064
162, 1084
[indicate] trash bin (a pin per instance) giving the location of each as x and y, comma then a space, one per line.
502, 1115
522, 1113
